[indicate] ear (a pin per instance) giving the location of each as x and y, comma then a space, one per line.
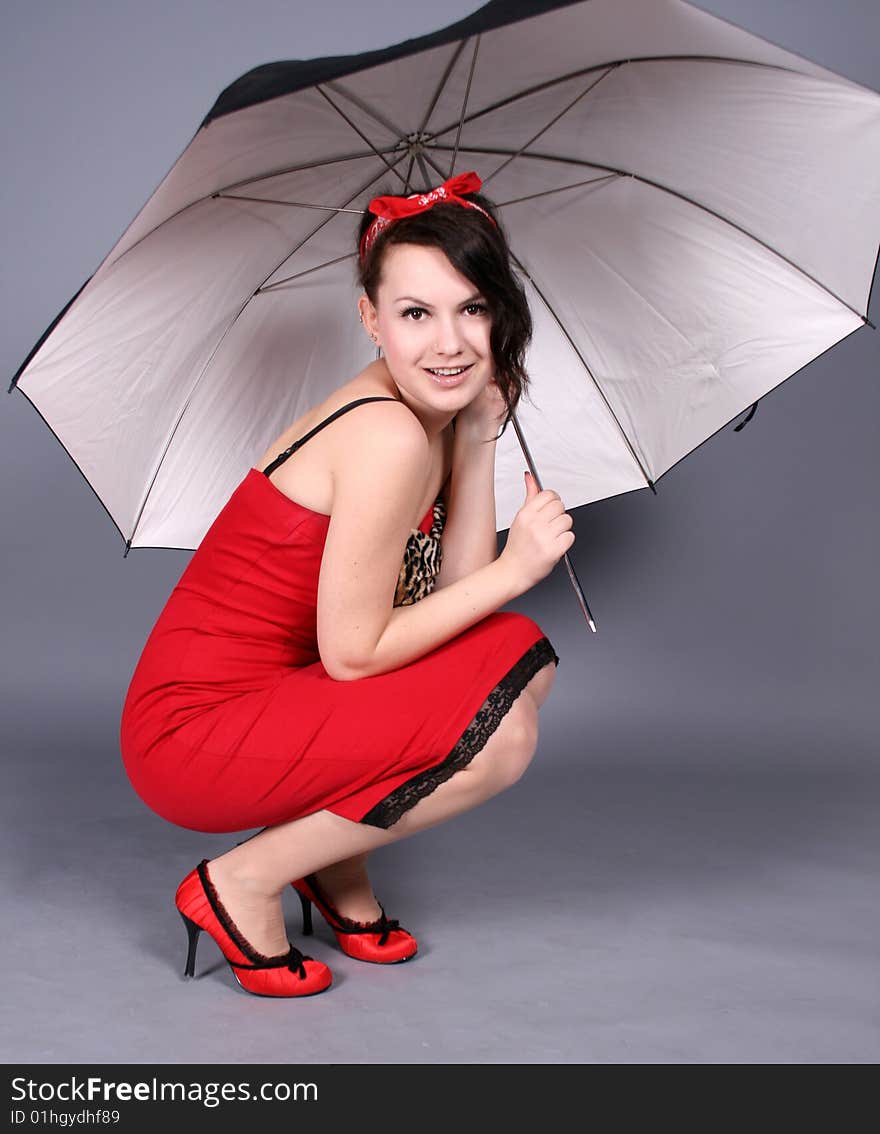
368, 315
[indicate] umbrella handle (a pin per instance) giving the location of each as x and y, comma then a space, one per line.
575, 582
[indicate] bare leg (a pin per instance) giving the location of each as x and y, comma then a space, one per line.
251, 877
347, 884
540, 685
348, 887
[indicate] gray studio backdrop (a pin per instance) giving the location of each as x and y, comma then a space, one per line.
723, 719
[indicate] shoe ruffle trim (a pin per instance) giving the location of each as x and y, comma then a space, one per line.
293, 959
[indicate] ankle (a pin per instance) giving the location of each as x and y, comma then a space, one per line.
231, 873
350, 893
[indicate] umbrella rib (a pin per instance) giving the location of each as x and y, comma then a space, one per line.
467, 91
246, 181
288, 204
444, 79
327, 220
544, 129
486, 110
320, 163
409, 174
675, 193
426, 157
219, 343
561, 189
359, 212
526, 92
583, 362
305, 272
403, 137
358, 131
361, 104
420, 158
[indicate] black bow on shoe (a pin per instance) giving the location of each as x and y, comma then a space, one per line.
293, 960
383, 925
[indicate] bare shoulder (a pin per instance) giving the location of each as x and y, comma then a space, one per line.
367, 433
368, 428
359, 387
380, 436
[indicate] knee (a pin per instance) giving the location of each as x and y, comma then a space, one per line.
541, 684
516, 740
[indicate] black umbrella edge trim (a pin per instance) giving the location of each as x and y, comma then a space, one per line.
127, 542
48, 331
871, 289
272, 80
690, 452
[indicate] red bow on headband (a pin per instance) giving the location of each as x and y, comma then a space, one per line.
388, 209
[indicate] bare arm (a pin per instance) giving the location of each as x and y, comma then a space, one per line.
415, 630
377, 486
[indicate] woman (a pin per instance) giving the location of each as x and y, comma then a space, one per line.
325, 668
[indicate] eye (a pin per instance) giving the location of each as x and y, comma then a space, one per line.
415, 312
477, 309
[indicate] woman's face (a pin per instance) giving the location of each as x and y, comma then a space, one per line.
433, 326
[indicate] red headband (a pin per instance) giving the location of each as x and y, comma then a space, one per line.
388, 209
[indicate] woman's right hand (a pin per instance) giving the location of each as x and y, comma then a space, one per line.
539, 536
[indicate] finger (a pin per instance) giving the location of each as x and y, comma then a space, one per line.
547, 498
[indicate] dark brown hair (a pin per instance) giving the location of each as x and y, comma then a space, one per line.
478, 250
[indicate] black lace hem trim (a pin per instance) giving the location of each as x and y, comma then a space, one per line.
388, 810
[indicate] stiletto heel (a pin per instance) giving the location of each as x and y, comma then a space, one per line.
307, 914
289, 974
193, 932
382, 942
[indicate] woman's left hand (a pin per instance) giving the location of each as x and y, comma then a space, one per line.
482, 418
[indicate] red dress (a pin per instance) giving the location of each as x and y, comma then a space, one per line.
232, 722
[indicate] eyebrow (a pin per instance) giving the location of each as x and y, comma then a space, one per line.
422, 303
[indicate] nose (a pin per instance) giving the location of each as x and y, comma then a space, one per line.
447, 336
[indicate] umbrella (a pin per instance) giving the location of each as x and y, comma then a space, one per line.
693, 211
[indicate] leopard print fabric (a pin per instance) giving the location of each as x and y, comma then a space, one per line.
422, 559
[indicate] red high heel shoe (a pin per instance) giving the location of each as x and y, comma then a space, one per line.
381, 941
289, 974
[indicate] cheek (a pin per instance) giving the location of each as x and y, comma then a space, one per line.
406, 339
480, 337
415, 337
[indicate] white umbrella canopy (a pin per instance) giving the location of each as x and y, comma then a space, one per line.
695, 213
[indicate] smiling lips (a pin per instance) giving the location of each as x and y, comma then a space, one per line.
448, 375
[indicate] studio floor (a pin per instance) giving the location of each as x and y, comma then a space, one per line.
662, 894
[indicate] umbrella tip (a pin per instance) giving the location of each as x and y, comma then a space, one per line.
592, 625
